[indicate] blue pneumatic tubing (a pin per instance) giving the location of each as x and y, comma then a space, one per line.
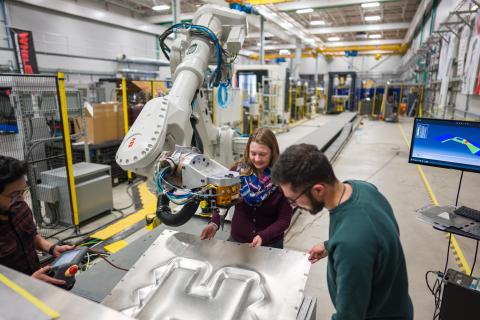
222, 95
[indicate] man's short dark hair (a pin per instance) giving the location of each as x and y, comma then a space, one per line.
11, 170
301, 165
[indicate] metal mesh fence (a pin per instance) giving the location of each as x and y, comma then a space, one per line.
30, 121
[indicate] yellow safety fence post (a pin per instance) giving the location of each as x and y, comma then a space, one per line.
260, 106
384, 101
420, 105
125, 116
290, 101
304, 108
62, 97
297, 95
152, 87
400, 99
374, 100
250, 117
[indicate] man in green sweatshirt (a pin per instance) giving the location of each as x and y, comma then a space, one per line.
366, 271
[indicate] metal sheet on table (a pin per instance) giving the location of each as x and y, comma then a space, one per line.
181, 277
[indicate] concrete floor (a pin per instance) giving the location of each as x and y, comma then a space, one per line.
378, 153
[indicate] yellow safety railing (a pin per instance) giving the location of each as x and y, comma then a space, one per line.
400, 99
152, 85
125, 115
290, 101
68, 147
420, 105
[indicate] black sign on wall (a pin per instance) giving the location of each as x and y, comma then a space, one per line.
24, 51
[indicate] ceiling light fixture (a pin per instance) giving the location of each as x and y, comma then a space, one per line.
317, 23
99, 14
370, 4
286, 25
334, 39
284, 52
372, 18
161, 7
375, 36
309, 10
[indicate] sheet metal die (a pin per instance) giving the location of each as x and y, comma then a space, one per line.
181, 277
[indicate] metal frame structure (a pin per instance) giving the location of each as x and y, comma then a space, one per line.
37, 101
424, 63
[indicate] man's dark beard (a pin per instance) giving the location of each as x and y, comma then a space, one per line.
316, 205
13, 206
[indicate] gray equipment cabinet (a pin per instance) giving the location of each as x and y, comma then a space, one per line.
93, 187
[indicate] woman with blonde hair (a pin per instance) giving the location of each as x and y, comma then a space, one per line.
264, 214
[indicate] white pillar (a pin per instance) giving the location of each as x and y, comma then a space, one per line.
176, 11
262, 40
298, 59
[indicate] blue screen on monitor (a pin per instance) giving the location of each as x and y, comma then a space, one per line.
450, 144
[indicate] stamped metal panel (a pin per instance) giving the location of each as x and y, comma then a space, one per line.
181, 277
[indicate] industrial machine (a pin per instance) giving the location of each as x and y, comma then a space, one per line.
173, 141
265, 93
341, 91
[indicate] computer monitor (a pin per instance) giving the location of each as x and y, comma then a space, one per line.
452, 144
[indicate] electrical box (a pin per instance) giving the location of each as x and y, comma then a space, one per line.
461, 297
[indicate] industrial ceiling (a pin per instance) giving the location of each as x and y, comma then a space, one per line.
318, 23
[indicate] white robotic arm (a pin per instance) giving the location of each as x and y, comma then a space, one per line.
151, 147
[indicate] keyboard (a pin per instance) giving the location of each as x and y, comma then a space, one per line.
468, 213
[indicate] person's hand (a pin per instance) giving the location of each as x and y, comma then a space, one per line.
317, 252
256, 242
41, 274
58, 250
208, 232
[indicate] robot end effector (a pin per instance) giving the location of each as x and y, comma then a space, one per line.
187, 177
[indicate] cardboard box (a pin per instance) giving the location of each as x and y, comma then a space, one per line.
104, 122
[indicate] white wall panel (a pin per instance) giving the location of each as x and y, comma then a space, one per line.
54, 32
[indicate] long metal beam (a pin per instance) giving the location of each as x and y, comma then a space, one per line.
321, 4
274, 47
361, 27
369, 44
386, 47
417, 19
364, 43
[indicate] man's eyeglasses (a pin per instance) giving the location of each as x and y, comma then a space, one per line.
18, 194
293, 202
